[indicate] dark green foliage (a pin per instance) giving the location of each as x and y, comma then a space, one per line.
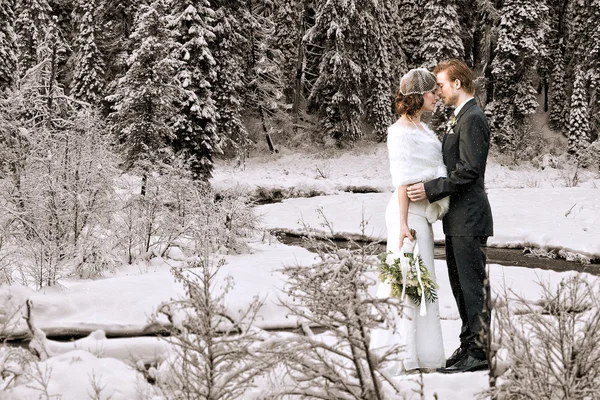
579, 126
559, 104
228, 49
289, 27
194, 126
521, 38
409, 35
440, 41
254, 64
8, 45
31, 28
412, 289
386, 59
144, 100
88, 79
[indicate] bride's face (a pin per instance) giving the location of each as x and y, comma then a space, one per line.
429, 100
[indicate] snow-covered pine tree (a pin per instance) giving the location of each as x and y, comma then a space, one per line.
313, 50
441, 32
468, 18
521, 40
336, 94
593, 66
195, 125
557, 64
114, 40
31, 28
145, 96
51, 52
579, 125
265, 78
289, 29
379, 19
441, 40
228, 52
558, 92
490, 18
8, 45
410, 17
88, 78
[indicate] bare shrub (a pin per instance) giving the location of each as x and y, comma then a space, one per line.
333, 296
551, 350
178, 211
217, 350
57, 192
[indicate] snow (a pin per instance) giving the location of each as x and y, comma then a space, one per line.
70, 376
548, 218
531, 208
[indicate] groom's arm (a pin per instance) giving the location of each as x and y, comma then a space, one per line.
473, 149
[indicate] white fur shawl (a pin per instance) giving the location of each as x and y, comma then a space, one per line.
416, 156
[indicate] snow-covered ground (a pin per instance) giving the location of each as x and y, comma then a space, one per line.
531, 207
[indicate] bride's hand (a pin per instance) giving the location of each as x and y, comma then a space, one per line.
405, 233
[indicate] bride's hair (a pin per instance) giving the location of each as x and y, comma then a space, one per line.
409, 98
408, 104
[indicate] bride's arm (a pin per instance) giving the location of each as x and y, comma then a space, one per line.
403, 201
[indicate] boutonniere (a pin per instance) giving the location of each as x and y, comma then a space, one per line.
451, 124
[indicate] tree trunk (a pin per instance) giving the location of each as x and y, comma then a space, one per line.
546, 94
299, 72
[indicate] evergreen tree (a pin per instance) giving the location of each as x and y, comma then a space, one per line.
558, 104
228, 51
145, 95
289, 29
592, 61
440, 41
31, 28
313, 49
521, 38
579, 126
468, 14
195, 124
265, 78
114, 37
8, 45
379, 19
337, 90
88, 80
410, 16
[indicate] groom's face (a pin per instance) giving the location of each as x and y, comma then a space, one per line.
446, 89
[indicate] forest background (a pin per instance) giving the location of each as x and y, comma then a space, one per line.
182, 82
111, 110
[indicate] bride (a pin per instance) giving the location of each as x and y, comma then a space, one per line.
415, 155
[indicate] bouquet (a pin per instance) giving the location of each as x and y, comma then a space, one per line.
407, 274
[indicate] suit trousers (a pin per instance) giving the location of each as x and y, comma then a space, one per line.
466, 260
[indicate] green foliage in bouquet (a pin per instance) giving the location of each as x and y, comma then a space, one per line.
393, 274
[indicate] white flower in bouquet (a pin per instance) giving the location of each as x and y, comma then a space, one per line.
408, 275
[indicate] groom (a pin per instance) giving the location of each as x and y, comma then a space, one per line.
468, 223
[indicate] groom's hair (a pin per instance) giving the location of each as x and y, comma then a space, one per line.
457, 69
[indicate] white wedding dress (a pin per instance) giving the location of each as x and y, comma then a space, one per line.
415, 156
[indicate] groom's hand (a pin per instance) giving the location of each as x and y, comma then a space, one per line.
416, 192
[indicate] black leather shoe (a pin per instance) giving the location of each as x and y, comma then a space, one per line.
456, 356
466, 364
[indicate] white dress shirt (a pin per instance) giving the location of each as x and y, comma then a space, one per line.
457, 110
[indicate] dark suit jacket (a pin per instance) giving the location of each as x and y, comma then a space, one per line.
465, 153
